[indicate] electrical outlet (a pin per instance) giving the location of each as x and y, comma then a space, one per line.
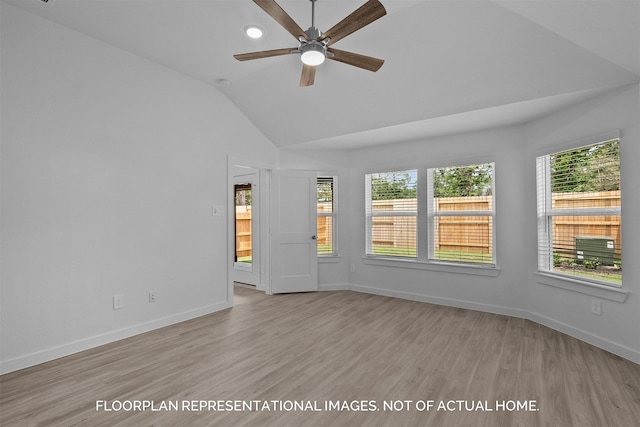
152, 296
118, 302
596, 307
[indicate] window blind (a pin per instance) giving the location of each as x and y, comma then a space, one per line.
460, 206
326, 216
391, 213
578, 212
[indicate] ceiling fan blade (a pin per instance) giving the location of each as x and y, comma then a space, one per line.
263, 54
308, 75
361, 61
364, 15
274, 10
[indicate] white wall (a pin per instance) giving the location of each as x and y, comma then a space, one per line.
618, 329
110, 167
504, 293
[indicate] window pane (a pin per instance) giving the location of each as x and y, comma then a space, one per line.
463, 181
243, 223
325, 194
394, 236
463, 239
588, 246
325, 235
593, 168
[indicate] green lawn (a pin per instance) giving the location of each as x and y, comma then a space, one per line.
472, 257
614, 276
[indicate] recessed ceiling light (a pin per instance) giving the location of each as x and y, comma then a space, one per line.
253, 31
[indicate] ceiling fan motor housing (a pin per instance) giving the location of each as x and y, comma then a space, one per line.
313, 51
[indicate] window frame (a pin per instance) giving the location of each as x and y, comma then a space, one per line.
422, 262
332, 215
370, 214
432, 214
544, 223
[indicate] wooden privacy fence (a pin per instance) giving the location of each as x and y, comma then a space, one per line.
243, 231
463, 233
472, 234
451, 233
394, 231
324, 224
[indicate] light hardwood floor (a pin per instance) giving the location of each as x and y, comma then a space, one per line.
339, 347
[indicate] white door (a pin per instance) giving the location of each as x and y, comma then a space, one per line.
294, 262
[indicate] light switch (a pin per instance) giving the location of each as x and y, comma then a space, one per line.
217, 211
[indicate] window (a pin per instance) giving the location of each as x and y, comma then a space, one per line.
460, 212
391, 213
326, 216
579, 200
243, 224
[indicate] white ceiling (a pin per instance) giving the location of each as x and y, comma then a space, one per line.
450, 66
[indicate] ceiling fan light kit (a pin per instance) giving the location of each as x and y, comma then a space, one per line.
313, 46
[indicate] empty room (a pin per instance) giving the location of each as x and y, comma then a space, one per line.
320, 212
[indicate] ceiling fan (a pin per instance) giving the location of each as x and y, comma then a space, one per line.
313, 45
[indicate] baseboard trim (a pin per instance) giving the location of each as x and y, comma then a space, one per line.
587, 337
92, 342
580, 334
496, 309
336, 287
98, 340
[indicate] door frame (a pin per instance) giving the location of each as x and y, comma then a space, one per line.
249, 272
264, 172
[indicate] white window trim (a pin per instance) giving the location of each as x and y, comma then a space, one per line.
575, 284
335, 256
441, 266
370, 214
432, 214
545, 276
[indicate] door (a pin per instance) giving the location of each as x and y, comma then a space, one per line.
294, 262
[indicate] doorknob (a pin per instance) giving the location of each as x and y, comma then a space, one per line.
313, 237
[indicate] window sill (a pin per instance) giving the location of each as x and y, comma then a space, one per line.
444, 267
576, 285
326, 259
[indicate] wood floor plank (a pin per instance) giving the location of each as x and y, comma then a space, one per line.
334, 348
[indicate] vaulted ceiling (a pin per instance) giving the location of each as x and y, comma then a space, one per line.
450, 66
